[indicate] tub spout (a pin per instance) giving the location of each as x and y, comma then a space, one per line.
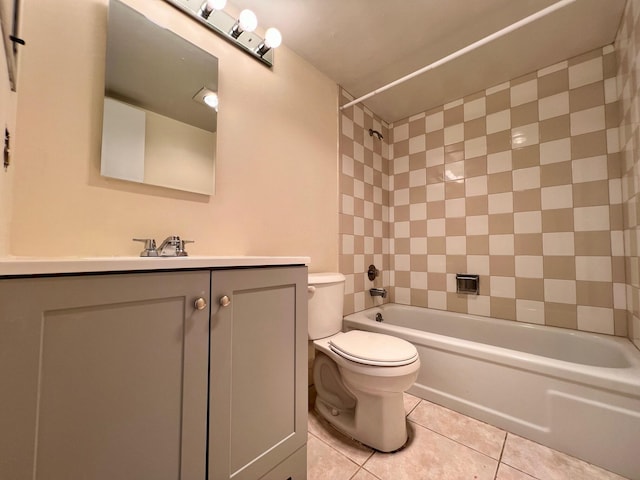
378, 292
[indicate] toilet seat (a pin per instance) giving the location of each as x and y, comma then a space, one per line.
374, 349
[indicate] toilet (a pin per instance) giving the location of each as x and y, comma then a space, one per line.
359, 376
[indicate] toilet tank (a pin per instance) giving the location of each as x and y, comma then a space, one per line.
326, 298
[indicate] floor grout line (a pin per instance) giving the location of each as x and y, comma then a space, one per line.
454, 440
504, 444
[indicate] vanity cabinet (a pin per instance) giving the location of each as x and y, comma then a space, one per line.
150, 376
258, 388
104, 377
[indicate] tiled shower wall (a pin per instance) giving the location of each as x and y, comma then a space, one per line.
627, 48
520, 184
364, 204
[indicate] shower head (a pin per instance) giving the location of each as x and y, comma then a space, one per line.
373, 132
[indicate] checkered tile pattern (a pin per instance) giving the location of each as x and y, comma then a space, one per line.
364, 204
520, 184
627, 48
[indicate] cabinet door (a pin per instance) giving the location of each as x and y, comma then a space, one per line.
104, 377
258, 389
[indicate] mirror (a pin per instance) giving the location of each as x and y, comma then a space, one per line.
157, 128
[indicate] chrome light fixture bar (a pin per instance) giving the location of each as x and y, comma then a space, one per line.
239, 32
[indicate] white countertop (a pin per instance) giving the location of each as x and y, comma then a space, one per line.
12, 266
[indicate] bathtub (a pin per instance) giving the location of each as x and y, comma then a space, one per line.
575, 392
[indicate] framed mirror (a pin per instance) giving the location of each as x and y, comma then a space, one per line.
160, 106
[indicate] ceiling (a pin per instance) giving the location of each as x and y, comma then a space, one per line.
365, 44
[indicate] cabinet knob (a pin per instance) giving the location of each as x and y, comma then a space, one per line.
200, 303
225, 301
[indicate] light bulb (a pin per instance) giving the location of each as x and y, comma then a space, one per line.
216, 4
247, 21
211, 99
272, 38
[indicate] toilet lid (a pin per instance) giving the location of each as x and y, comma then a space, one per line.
373, 348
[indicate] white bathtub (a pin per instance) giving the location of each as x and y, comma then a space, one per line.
573, 391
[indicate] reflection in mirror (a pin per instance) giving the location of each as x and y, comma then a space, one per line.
158, 127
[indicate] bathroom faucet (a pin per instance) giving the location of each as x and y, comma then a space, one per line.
172, 246
378, 292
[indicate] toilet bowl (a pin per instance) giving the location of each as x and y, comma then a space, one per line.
359, 376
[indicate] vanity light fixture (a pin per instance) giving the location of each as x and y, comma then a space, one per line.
272, 39
239, 31
207, 97
210, 6
247, 22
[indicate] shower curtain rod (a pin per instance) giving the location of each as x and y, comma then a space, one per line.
468, 48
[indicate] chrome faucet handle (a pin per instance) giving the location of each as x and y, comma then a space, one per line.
149, 247
181, 251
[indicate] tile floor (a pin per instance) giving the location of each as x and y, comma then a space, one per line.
443, 445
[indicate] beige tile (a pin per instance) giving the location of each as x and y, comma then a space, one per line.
525, 114
417, 127
456, 263
530, 289
594, 294
454, 152
590, 194
526, 157
477, 205
470, 432
553, 83
437, 281
555, 174
559, 267
586, 73
542, 462
502, 265
454, 189
558, 220
457, 302
586, 97
430, 456
527, 200
364, 475
498, 101
504, 308
588, 145
560, 315
324, 462
475, 167
475, 128
499, 142
477, 245
500, 182
500, 223
454, 116
434, 139
593, 243
528, 244
555, 128
505, 472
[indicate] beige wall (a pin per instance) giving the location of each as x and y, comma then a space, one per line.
627, 47
276, 180
7, 119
